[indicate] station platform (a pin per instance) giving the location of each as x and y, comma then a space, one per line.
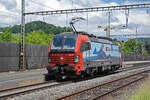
135, 62
21, 78
28, 77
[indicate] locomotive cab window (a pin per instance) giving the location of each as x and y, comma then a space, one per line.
85, 46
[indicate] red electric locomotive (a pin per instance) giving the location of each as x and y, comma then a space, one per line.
78, 54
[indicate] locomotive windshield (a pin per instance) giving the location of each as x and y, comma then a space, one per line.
63, 43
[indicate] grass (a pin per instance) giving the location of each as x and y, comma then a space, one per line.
143, 92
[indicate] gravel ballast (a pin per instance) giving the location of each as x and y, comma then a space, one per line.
57, 92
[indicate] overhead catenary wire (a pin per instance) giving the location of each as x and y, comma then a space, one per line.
92, 9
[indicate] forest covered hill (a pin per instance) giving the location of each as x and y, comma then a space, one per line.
39, 25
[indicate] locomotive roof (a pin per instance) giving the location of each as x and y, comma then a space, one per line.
91, 36
67, 35
98, 38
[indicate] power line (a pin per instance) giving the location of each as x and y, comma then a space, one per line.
93, 9
128, 35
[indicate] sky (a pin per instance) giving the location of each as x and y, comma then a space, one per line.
10, 14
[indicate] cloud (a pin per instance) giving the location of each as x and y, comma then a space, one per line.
11, 9
8, 17
141, 18
9, 4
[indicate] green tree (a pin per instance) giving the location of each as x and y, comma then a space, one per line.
139, 47
129, 45
38, 37
16, 38
6, 35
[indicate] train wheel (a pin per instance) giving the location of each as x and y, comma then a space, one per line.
82, 75
92, 73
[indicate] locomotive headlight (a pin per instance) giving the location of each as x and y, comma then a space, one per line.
49, 59
76, 59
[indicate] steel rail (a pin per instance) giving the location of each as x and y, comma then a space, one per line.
100, 86
22, 87
10, 95
118, 88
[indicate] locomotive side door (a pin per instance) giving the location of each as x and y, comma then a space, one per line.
85, 48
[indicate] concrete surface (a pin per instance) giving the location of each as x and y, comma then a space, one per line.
16, 79
136, 62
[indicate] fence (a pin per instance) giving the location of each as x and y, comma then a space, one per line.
36, 56
134, 57
9, 56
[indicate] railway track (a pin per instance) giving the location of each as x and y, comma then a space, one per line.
12, 92
132, 67
99, 92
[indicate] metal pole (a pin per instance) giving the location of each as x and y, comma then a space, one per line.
136, 34
136, 43
127, 16
72, 7
87, 23
123, 53
66, 22
108, 35
22, 58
